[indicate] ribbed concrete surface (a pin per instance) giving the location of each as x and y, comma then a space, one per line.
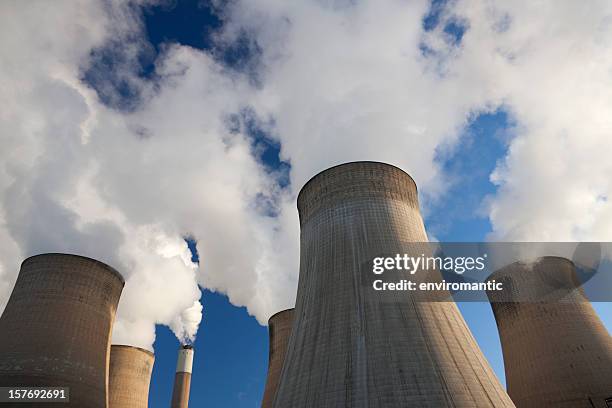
279, 326
351, 347
56, 327
130, 376
557, 353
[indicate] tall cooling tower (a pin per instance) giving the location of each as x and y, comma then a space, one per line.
182, 379
557, 353
279, 326
55, 329
350, 347
129, 376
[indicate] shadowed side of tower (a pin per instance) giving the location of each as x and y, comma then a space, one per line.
55, 330
557, 353
279, 327
353, 347
130, 376
182, 379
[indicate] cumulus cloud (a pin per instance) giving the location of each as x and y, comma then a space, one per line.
349, 81
125, 171
551, 63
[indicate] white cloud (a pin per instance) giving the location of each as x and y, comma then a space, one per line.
347, 81
552, 67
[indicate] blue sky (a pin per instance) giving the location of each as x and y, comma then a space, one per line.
231, 348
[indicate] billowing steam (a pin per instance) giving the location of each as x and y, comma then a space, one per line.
124, 171
186, 325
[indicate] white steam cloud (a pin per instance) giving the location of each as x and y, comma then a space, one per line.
187, 323
331, 81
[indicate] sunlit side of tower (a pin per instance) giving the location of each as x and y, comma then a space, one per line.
353, 347
279, 326
130, 376
182, 378
557, 352
55, 329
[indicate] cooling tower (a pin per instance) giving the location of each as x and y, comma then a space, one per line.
55, 329
182, 379
351, 347
557, 353
129, 376
279, 326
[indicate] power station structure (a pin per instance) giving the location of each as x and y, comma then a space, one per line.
182, 379
279, 327
353, 346
55, 330
130, 376
557, 353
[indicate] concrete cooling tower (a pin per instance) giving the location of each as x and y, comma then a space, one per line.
129, 376
55, 329
182, 379
557, 353
353, 347
279, 326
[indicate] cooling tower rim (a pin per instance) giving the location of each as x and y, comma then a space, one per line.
105, 266
126, 346
292, 309
312, 179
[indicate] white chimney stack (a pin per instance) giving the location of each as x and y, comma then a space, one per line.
182, 379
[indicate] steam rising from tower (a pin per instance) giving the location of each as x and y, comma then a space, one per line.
185, 327
182, 379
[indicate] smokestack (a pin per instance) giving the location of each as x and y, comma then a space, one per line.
279, 326
55, 330
557, 353
350, 346
182, 380
130, 376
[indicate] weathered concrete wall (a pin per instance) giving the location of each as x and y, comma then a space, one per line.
130, 376
557, 353
279, 326
351, 347
56, 327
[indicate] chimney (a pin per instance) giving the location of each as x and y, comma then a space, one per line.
182, 380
